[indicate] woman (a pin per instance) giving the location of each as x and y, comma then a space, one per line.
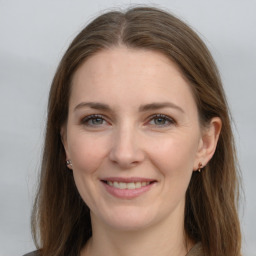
139, 156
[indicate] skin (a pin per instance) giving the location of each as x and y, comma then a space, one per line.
125, 140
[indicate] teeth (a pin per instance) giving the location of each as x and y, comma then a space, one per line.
138, 185
115, 184
130, 185
122, 185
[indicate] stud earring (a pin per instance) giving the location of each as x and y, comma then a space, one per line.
69, 163
200, 166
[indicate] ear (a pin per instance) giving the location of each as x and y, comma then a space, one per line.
63, 134
208, 142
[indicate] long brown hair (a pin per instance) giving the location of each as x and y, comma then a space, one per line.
61, 220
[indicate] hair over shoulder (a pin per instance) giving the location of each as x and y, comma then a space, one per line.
61, 222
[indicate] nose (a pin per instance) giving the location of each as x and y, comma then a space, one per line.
126, 150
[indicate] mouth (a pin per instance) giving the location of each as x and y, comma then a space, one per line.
128, 185
127, 188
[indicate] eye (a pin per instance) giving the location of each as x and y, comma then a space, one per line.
94, 120
161, 120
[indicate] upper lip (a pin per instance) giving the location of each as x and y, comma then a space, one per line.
128, 179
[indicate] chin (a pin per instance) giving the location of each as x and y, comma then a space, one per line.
128, 219
128, 224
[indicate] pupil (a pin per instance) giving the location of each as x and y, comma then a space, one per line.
97, 121
160, 121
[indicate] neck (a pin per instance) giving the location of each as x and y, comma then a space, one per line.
157, 240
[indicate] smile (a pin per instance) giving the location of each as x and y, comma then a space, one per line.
130, 185
127, 188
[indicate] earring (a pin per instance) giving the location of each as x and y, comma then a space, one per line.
69, 163
200, 166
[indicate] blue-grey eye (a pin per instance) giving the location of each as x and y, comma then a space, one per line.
93, 120
97, 121
161, 120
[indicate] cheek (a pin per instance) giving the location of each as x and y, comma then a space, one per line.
174, 155
86, 152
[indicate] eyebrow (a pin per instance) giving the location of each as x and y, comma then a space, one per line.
142, 108
94, 105
155, 106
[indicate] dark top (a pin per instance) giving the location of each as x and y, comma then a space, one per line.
195, 251
34, 253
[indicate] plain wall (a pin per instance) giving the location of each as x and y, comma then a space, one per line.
33, 37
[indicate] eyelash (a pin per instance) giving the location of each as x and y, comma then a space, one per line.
89, 118
165, 118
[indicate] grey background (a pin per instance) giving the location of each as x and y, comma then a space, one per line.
34, 35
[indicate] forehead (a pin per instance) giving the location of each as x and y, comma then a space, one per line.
118, 60
121, 75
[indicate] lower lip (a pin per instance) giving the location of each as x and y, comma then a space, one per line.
127, 193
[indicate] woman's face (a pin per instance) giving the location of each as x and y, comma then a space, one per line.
133, 137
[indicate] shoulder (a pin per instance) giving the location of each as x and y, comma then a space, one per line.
34, 253
197, 250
